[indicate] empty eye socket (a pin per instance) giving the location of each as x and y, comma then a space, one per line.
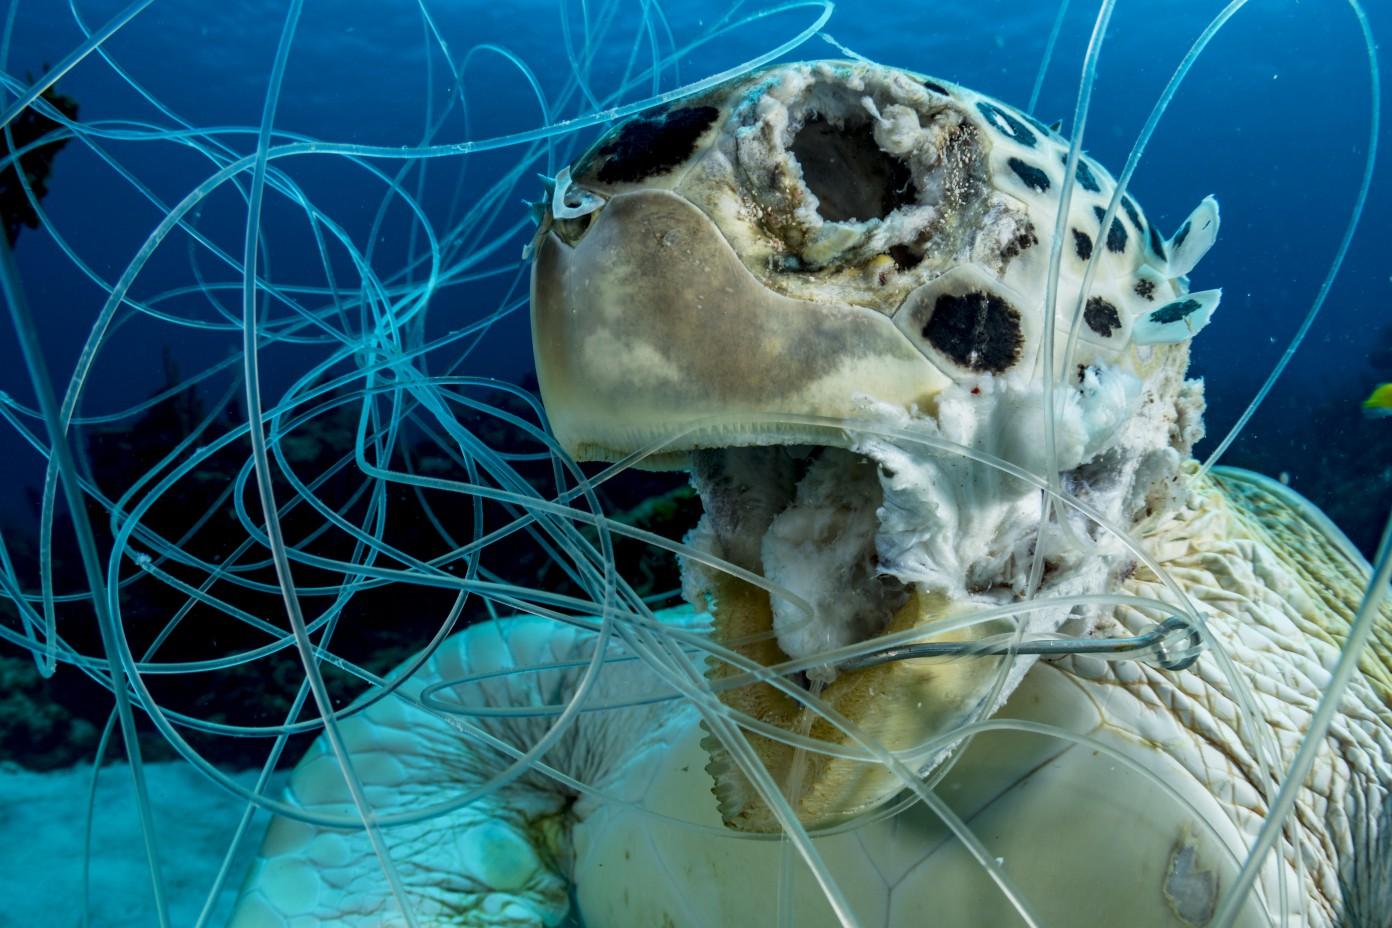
851, 177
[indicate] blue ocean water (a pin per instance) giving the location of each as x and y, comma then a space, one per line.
1273, 120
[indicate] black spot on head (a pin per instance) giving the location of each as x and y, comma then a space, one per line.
1133, 213
936, 88
1182, 234
1145, 289
1086, 179
1116, 234
1024, 239
1033, 177
1102, 317
980, 331
1116, 237
654, 143
1043, 129
1006, 124
1082, 244
1173, 312
1157, 244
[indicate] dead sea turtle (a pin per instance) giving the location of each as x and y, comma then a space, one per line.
823, 288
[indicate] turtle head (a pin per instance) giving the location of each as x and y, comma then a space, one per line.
822, 288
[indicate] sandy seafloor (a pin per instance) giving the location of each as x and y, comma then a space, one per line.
41, 836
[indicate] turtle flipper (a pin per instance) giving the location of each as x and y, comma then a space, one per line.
489, 855
1194, 238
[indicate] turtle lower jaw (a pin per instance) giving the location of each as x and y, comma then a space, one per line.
895, 707
758, 502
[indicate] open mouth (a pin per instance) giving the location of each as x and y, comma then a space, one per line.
823, 526
806, 519
885, 536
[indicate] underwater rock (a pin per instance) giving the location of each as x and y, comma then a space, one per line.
36, 731
16, 211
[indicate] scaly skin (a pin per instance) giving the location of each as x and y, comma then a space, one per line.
1085, 837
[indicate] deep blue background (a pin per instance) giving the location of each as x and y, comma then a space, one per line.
1273, 120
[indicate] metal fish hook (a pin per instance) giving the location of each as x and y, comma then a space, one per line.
1173, 644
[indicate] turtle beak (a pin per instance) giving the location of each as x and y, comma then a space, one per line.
648, 328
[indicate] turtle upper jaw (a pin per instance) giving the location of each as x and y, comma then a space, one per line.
649, 330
